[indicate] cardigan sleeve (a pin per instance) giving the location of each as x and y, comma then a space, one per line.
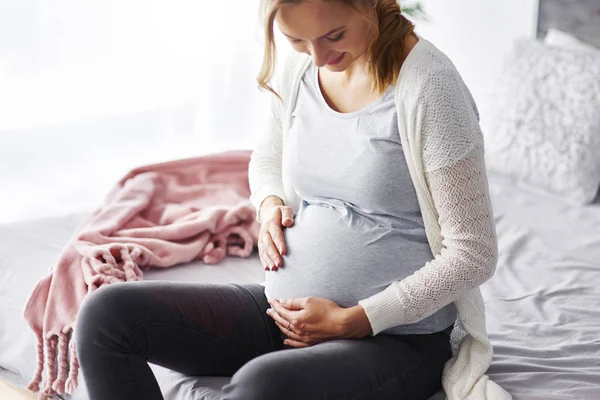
454, 165
264, 168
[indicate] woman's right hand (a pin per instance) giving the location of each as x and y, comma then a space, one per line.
271, 244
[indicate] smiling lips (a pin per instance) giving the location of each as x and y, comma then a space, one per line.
337, 60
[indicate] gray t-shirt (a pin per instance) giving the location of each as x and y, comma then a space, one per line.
359, 225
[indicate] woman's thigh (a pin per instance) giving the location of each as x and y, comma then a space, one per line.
195, 329
373, 368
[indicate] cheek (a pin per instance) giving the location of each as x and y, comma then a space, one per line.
352, 50
354, 44
360, 43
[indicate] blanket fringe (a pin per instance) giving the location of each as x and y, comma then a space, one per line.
50, 349
63, 363
71, 383
34, 384
128, 264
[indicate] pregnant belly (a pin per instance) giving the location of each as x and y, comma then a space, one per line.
338, 254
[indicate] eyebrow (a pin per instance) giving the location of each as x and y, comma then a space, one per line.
325, 35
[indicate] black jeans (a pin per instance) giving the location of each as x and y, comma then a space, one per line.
223, 330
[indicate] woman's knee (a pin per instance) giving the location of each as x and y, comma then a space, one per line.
103, 315
272, 376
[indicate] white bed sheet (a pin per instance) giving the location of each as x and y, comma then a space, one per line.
543, 304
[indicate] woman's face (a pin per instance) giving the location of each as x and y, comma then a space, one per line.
334, 35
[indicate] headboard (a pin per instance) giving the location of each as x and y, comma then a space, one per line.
580, 18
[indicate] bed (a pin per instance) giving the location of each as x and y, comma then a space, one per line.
20, 268
542, 305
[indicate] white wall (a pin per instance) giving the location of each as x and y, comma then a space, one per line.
476, 35
92, 88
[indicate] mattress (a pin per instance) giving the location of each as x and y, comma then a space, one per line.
542, 305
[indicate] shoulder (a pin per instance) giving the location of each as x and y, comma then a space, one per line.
425, 62
288, 66
429, 76
438, 107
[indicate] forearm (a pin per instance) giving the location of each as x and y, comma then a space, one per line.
264, 168
265, 181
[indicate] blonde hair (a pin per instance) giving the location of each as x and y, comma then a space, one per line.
385, 54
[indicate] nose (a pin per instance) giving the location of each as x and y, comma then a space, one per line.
319, 54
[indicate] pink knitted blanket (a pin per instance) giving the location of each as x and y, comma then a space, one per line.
156, 216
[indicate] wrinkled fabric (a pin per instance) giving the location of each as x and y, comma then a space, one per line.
158, 215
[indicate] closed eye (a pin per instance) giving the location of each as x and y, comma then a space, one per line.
331, 39
338, 37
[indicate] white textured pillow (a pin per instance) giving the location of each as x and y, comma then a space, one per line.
556, 37
543, 126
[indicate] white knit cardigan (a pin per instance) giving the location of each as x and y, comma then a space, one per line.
443, 146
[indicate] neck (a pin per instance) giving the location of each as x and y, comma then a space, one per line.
355, 70
358, 71
355, 73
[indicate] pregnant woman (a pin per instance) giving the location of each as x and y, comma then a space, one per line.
376, 231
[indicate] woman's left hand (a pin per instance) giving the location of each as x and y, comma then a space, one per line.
310, 320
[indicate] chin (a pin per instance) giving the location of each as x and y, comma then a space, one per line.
335, 68
339, 67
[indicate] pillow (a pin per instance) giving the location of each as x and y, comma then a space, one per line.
556, 37
543, 127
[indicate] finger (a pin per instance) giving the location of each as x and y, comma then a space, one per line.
303, 337
295, 343
291, 334
264, 263
278, 318
277, 235
287, 216
260, 255
268, 262
287, 315
265, 260
266, 250
272, 251
298, 303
